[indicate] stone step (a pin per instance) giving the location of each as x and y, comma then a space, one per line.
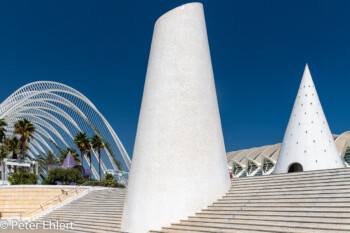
170, 230
252, 211
80, 230
335, 187
304, 219
316, 179
257, 225
95, 230
99, 206
104, 192
109, 218
236, 229
290, 192
114, 196
287, 195
290, 185
83, 218
98, 228
292, 224
283, 204
281, 209
85, 223
100, 202
58, 215
286, 200
272, 179
77, 213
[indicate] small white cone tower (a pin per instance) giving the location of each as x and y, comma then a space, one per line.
308, 143
179, 160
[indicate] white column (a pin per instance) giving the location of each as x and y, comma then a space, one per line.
179, 162
308, 139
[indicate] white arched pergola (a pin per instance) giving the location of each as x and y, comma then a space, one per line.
59, 112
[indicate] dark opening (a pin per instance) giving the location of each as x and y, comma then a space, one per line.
295, 167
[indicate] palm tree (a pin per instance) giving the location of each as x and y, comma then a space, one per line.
3, 153
82, 142
3, 124
97, 145
49, 158
89, 154
65, 152
25, 129
11, 145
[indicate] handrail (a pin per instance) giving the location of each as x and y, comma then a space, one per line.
10, 212
55, 198
66, 193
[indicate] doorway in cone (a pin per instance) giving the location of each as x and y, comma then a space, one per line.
295, 167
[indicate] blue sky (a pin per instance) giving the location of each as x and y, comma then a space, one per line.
259, 50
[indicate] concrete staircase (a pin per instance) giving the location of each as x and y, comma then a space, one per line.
316, 201
96, 212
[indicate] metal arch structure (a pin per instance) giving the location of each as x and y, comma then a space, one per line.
59, 112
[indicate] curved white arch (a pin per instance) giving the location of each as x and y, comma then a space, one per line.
55, 108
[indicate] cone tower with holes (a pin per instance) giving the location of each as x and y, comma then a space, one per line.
308, 143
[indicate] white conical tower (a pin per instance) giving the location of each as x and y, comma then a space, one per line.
308, 140
179, 160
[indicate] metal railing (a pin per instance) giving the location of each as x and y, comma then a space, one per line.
60, 198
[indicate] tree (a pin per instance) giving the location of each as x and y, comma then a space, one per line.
97, 145
89, 155
25, 129
82, 142
11, 145
49, 158
3, 124
65, 152
23, 178
3, 153
64, 176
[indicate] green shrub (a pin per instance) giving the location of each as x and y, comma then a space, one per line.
110, 181
109, 178
65, 176
23, 178
90, 180
45, 182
